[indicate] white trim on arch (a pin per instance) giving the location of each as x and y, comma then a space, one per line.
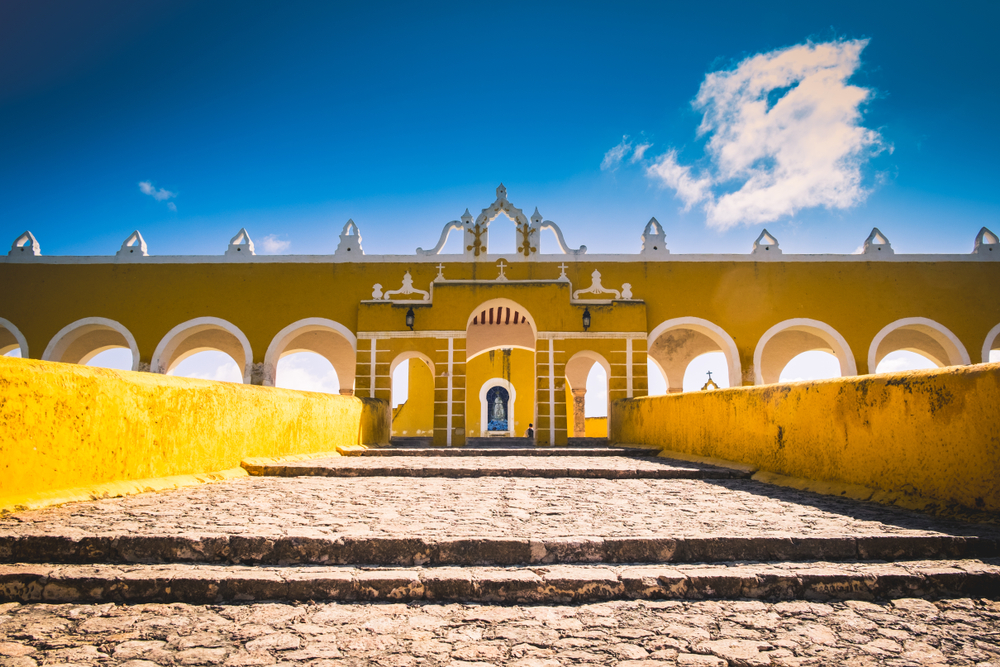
511, 398
713, 331
987, 344
848, 366
168, 344
281, 340
400, 358
22, 341
61, 341
959, 349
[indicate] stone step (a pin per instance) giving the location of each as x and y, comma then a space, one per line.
412, 450
499, 441
210, 584
75, 547
398, 441
485, 466
587, 442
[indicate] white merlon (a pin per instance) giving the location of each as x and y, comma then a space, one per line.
766, 245
877, 244
350, 241
25, 246
654, 239
987, 244
133, 248
240, 245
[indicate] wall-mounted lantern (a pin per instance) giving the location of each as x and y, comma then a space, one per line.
410, 317
586, 318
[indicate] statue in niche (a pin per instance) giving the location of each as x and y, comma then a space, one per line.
496, 410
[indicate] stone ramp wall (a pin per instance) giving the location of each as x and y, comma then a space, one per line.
70, 432
934, 434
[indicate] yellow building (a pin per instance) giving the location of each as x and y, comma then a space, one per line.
495, 343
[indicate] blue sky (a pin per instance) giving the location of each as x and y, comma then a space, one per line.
291, 118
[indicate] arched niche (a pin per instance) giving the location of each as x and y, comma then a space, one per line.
11, 339
327, 338
921, 335
674, 344
484, 408
991, 343
81, 341
499, 323
786, 340
199, 335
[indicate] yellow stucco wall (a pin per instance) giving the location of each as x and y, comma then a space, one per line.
596, 427
415, 417
66, 426
519, 369
931, 433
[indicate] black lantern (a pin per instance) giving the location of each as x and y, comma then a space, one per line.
586, 318
409, 318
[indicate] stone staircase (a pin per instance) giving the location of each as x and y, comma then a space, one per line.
590, 523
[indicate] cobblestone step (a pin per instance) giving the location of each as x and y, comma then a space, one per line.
504, 451
466, 551
206, 584
550, 467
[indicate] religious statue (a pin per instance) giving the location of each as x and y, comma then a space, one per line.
497, 411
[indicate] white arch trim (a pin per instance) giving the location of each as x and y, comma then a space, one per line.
483, 408
406, 356
713, 331
603, 363
23, 343
500, 347
987, 344
505, 303
848, 366
56, 348
170, 342
963, 355
283, 337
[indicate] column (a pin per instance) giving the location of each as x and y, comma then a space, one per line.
579, 413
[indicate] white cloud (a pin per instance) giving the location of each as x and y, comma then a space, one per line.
613, 158
638, 153
159, 194
307, 371
172, 206
272, 244
785, 135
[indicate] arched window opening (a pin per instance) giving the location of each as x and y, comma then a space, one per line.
811, 365
904, 360
15, 352
307, 371
919, 335
696, 373
597, 392
675, 344
118, 358
400, 384
209, 365
503, 233
657, 384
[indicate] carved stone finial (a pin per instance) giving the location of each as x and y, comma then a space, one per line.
877, 244
536, 217
134, 247
627, 291
25, 246
467, 217
766, 245
597, 288
654, 239
377, 291
350, 241
501, 192
987, 243
241, 245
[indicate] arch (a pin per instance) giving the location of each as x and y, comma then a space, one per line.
511, 398
922, 335
793, 337
11, 338
327, 338
991, 343
499, 323
406, 356
81, 341
578, 368
199, 335
708, 337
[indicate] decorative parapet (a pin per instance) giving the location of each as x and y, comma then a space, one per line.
405, 290
877, 244
133, 248
25, 246
240, 245
766, 245
350, 241
987, 244
654, 240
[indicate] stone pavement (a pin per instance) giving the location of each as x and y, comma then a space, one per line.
902, 632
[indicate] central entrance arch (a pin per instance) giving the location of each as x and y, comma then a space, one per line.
500, 369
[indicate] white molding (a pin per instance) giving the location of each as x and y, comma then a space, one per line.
710, 329
595, 335
511, 397
987, 344
963, 355
429, 333
22, 342
406, 356
55, 345
172, 339
848, 365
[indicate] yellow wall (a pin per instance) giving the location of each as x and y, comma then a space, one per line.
66, 426
415, 417
931, 433
519, 369
596, 427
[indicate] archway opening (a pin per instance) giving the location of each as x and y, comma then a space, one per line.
921, 336
596, 408
208, 365
118, 358
307, 371
904, 360
811, 365
696, 375
12, 343
13, 352
503, 235
656, 381
412, 398
587, 393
